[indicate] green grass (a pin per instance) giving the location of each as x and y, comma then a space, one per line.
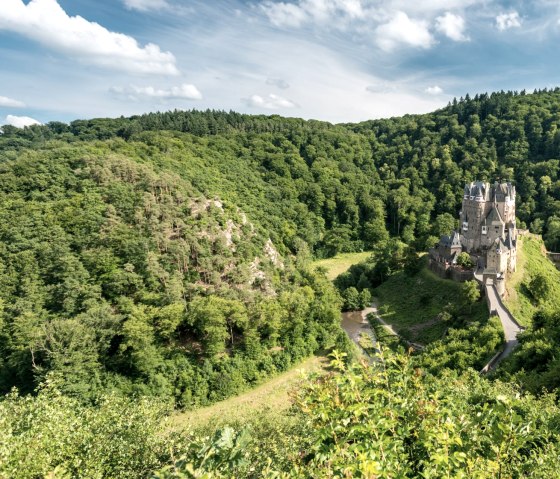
531, 260
269, 399
412, 304
341, 262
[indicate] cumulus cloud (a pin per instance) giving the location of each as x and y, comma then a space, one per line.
403, 30
269, 102
146, 5
182, 92
11, 103
452, 26
434, 90
278, 82
20, 121
284, 14
46, 22
505, 21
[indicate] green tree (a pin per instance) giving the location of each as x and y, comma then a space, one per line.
540, 287
464, 260
470, 292
352, 299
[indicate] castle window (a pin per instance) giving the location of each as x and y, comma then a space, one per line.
465, 226
484, 230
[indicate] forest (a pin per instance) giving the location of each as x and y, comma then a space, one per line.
166, 260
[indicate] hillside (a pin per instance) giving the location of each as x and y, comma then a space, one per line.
115, 275
341, 188
416, 305
534, 296
532, 263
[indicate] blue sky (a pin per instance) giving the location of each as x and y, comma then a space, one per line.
334, 60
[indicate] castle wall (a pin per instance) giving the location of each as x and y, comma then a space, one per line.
495, 230
492, 261
512, 265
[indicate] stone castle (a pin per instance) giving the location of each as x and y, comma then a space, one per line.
487, 232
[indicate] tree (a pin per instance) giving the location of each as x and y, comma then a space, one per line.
445, 223
464, 260
365, 299
351, 299
540, 287
470, 293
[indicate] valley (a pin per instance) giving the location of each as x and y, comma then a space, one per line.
164, 277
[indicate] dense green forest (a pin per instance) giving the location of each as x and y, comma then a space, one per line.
114, 275
168, 257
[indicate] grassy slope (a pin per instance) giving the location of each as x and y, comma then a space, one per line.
341, 262
270, 398
531, 261
411, 304
273, 397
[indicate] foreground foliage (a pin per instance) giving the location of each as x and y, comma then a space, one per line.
53, 435
389, 420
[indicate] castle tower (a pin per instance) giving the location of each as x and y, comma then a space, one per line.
488, 214
476, 206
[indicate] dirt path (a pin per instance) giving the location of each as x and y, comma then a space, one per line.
392, 330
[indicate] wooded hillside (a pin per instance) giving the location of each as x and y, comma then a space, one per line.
168, 253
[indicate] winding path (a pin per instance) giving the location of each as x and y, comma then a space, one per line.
509, 324
355, 324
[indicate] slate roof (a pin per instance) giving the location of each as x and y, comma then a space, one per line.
453, 241
478, 188
494, 216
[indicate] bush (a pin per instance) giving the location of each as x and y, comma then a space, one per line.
115, 438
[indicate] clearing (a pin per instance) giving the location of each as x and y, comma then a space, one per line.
272, 397
411, 304
341, 262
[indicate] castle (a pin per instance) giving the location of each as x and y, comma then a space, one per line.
487, 232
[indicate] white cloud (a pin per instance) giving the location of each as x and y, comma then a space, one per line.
505, 21
403, 30
278, 82
182, 92
452, 26
146, 5
20, 121
9, 102
432, 6
269, 102
434, 90
46, 22
284, 14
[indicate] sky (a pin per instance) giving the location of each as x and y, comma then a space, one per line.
333, 60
